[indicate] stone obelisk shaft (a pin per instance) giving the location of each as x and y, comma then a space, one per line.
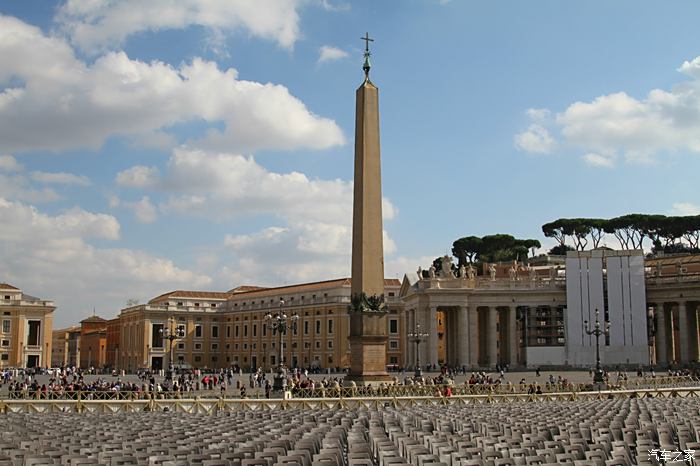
367, 243
368, 323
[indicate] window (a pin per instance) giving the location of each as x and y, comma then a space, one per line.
5, 357
197, 359
318, 345
393, 326
215, 331
198, 347
34, 333
318, 327
6, 343
245, 330
255, 330
393, 344
196, 304
5, 326
330, 325
330, 344
157, 335
228, 331
391, 294
306, 327
264, 330
236, 331
393, 360
181, 346
179, 303
213, 304
198, 331
214, 359
214, 346
182, 329
7, 296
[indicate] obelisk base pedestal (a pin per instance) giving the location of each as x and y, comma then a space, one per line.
368, 361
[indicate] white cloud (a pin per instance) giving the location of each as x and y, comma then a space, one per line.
102, 24
685, 208
229, 185
38, 251
138, 176
329, 53
536, 139
639, 130
538, 114
18, 187
60, 178
55, 101
311, 237
598, 160
9, 164
145, 211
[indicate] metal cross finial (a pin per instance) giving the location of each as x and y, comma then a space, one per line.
366, 65
367, 41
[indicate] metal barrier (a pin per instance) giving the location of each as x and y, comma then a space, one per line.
485, 389
378, 391
212, 406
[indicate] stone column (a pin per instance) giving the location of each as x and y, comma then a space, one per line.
473, 319
492, 337
683, 332
661, 342
433, 338
673, 343
512, 337
409, 348
463, 336
694, 335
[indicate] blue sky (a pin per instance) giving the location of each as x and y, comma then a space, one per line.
153, 146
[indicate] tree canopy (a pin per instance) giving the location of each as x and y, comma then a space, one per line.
491, 248
666, 233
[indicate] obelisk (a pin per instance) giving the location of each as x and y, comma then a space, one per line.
368, 330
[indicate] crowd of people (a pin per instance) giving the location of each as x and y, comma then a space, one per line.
68, 382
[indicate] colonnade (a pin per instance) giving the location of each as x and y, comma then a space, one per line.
474, 336
676, 331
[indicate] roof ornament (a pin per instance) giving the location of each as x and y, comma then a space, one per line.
366, 66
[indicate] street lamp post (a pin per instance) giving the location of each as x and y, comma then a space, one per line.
417, 336
597, 331
280, 323
171, 334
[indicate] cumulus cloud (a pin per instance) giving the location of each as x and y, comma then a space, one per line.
38, 251
54, 101
311, 238
685, 208
19, 187
145, 211
536, 139
619, 125
98, 25
138, 176
598, 160
229, 185
9, 164
329, 53
60, 178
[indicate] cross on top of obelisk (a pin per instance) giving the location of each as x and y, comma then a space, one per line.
366, 65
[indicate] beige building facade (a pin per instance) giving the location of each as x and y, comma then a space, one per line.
65, 347
25, 329
518, 316
228, 329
